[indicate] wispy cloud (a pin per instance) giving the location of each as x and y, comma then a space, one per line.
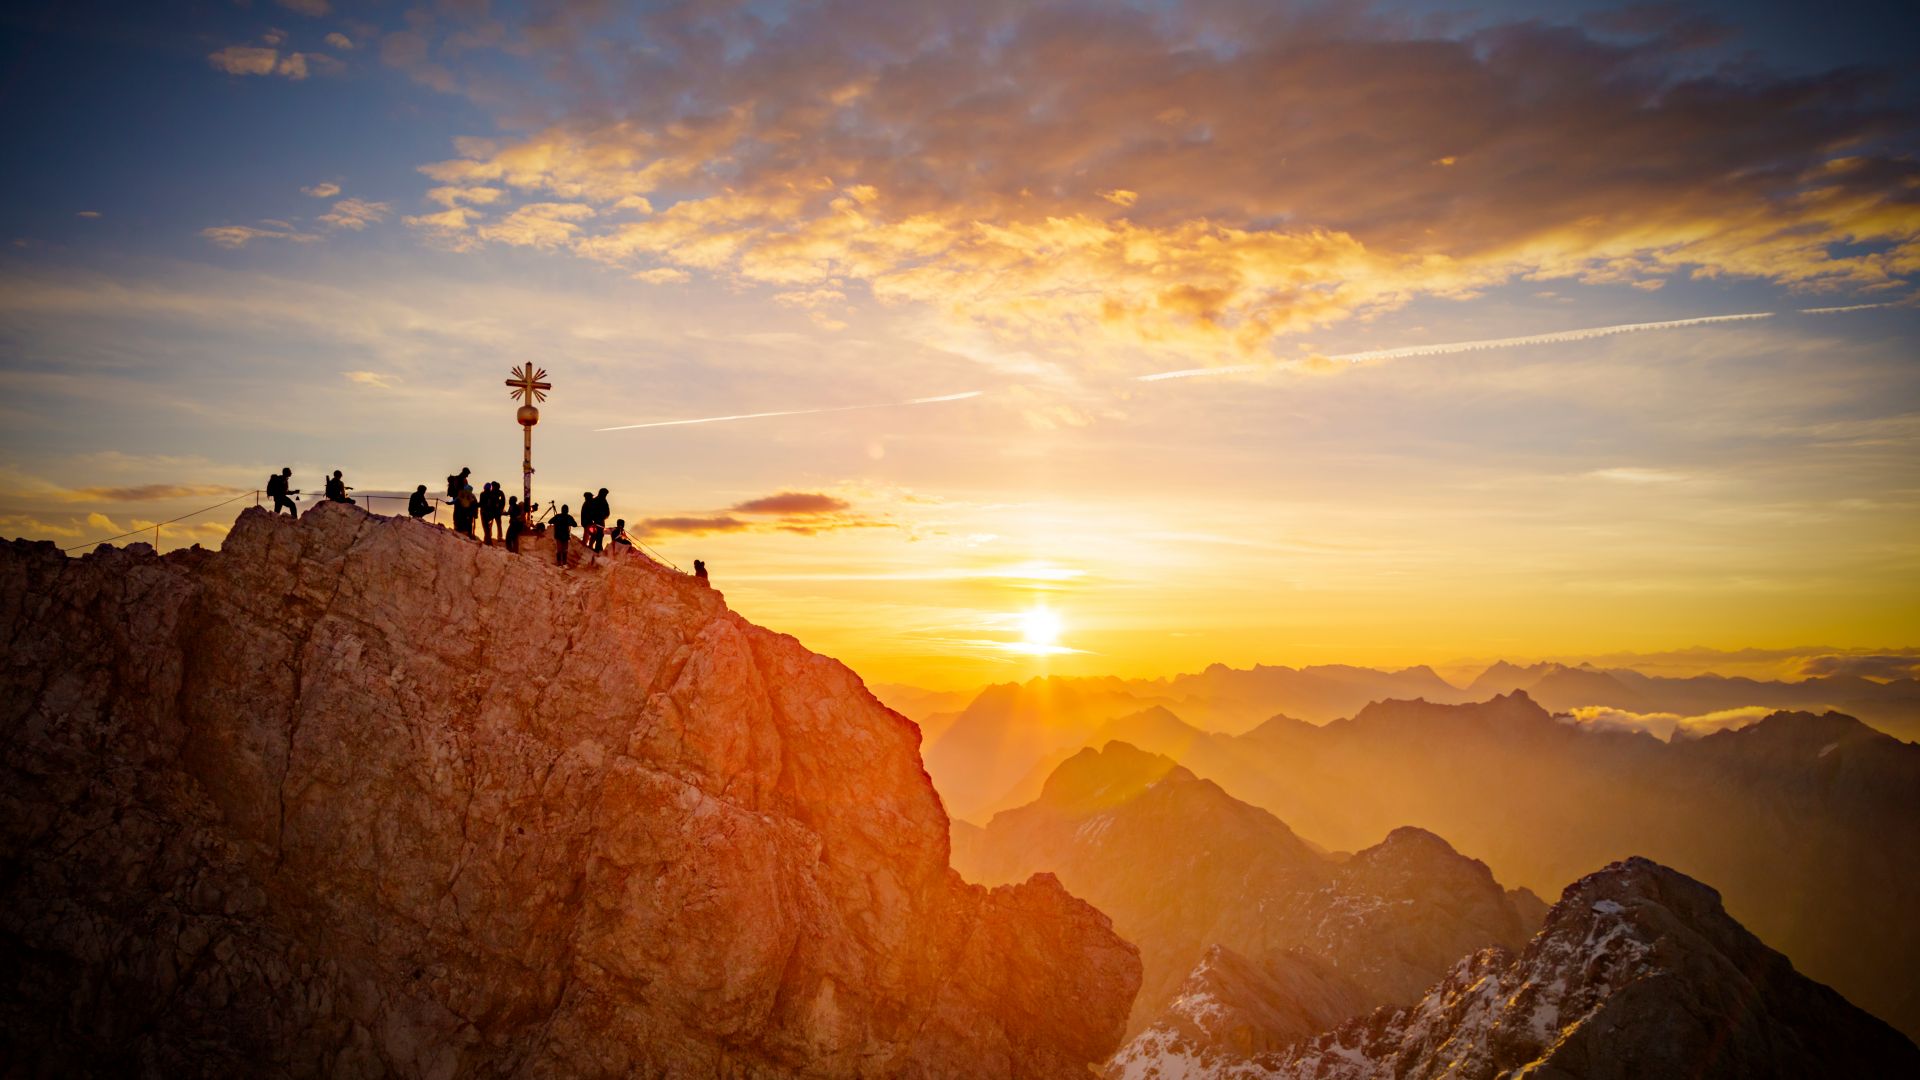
963, 396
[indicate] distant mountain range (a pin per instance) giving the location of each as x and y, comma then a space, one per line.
1638, 973
993, 753
1806, 823
1180, 866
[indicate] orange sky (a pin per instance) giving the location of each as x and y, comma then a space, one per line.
1445, 303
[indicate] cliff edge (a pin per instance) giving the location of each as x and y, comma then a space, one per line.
353, 796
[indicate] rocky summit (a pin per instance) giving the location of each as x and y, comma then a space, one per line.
355, 796
1639, 974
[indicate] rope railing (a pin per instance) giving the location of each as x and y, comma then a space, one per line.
258, 493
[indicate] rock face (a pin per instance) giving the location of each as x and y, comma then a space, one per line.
354, 796
1231, 1008
1638, 973
1182, 866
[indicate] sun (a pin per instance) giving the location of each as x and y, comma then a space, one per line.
1040, 629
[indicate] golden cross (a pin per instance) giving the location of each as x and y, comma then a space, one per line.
528, 383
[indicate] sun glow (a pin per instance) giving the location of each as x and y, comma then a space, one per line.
1040, 629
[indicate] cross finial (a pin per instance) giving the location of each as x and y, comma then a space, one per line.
528, 383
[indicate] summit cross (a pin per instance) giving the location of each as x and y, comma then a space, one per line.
528, 386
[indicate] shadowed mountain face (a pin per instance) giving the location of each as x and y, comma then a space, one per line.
994, 754
1182, 866
357, 797
1805, 822
1639, 974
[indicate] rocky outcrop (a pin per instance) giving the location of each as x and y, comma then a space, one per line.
1182, 866
1231, 1008
1638, 973
354, 796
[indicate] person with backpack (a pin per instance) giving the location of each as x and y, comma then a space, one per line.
277, 487
598, 511
337, 488
466, 507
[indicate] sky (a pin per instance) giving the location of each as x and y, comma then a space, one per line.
1100, 338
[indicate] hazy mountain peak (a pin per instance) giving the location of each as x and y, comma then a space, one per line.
1093, 780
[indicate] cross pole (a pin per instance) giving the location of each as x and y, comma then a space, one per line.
529, 387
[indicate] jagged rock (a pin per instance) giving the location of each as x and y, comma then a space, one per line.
1231, 1008
1638, 973
355, 797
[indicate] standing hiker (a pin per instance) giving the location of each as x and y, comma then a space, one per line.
516, 523
466, 507
493, 504
277, 487
563, 524
599, 512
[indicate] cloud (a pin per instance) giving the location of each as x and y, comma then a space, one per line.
315, 8
1880, 666
355, 214
239, 236
660, 275
1662, 725
793, 502
377, 379
984, 161
90, 214
1630, 474
691, 526
325, 189
256, 60
537, 225
795, 512
455, 196
340, 41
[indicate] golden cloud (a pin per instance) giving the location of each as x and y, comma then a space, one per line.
1316, 172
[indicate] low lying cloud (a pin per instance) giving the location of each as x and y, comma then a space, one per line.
1670, 725
1884, 667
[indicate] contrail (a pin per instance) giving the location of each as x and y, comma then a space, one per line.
1839, 310
1445, 348
798, 412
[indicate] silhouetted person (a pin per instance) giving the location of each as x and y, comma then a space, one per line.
455, 483
516, 523
619, 533
596, 513
466, 507
563, 524
417, 504
337, 488
493, 503
277, 487
700, 570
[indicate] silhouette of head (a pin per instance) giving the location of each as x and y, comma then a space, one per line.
464, 472
422, 487
286, 472
336, 474
603, 491
563, 508
621, 524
